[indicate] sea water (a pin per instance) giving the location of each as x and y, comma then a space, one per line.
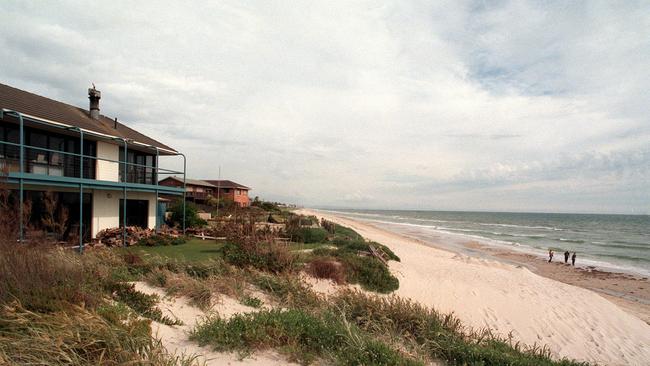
608, 242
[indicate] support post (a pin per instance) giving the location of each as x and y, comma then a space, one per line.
22, 172
184, 189
155, 176
81, 191
124, 192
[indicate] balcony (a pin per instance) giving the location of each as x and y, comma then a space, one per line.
42, 161
41, 165
197, 195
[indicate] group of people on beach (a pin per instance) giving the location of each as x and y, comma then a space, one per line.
566, 257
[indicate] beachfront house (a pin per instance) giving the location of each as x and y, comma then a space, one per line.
102, 173
200, 191
197, 191
231, 191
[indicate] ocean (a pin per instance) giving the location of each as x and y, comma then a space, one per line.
608, 242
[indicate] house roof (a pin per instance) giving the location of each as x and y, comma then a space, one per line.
226, 184
49, 109
193, 182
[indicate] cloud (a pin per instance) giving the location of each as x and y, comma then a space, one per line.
454, 105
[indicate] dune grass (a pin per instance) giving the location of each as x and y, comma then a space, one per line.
300, 335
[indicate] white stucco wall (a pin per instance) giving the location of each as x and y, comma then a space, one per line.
107, 170
106, 208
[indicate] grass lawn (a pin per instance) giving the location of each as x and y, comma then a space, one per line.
194, 250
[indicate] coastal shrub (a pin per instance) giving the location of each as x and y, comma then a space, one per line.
309, 235
360, 245
192, 218
370, 273
265, 256
252, 301
288, 291
366, 271
346, 232
304, 337
326, 268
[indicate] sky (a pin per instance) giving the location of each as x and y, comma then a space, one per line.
535, 106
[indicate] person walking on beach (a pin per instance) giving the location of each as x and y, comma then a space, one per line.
566, 257
573, 259
550, 255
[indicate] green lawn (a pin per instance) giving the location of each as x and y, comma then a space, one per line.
196, 250
193, 251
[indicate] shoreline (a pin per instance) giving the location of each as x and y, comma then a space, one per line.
630, 291
511, 299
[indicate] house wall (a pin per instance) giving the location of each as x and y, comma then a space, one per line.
107, 170
239, 196
106, 208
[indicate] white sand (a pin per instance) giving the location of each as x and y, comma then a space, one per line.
175, 338
574, 322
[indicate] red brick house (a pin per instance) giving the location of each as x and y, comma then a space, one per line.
200, 190
231, 191
195, 190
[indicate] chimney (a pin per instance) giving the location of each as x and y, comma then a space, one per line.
94, 95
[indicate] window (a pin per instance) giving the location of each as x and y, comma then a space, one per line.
140, 168
45, 152
137, 213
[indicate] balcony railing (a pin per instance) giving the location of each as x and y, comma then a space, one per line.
42, 161
197, 195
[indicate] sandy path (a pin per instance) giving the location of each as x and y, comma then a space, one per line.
175, 338
573, 322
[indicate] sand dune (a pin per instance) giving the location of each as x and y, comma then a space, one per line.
175, 338
573, 322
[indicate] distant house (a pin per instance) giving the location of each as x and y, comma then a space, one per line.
102, 172
195, 190
229, 190
200, 190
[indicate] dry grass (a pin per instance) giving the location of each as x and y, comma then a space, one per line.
327, 269
198, 291
45, 278
78, 337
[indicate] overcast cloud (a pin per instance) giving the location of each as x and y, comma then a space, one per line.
522, 106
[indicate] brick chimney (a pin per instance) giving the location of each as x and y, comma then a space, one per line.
94, 95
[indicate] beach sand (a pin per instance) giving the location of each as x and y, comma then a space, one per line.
630, 292
572, 321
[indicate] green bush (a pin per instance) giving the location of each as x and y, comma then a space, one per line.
370, 273
310, 235
346, 232
192, 218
